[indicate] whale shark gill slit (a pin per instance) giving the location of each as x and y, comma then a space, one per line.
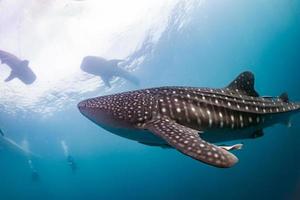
188, 141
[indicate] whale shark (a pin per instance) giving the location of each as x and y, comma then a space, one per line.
8, 144
106, 69
190, 119
19, 68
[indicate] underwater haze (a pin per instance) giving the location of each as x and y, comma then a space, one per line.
51, 151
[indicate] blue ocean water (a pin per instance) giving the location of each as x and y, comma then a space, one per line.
219, 40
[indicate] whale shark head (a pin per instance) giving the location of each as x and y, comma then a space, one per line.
94, 65
125, 110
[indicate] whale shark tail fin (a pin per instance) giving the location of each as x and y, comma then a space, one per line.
244, 84
284, 97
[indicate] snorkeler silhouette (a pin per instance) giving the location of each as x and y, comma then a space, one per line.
1, 133
70, 159
72, 163
19, 68
106, 69
34, 173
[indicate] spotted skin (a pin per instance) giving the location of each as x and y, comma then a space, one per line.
187, 141
175, 114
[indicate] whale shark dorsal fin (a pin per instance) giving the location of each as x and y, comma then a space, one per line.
188, 141
258, 133
244, 83
284, 97
11, 76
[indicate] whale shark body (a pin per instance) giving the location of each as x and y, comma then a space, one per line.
106, 69
19, 68
190, 119
8, 144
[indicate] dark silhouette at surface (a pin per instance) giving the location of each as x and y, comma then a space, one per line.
72, 163
1, 133
19, 68
106, 69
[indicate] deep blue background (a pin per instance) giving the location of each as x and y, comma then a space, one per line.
222, 39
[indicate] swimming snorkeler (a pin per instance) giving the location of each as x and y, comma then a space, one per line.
34, 174
72, 163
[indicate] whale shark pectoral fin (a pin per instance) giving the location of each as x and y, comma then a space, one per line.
244, 83
188, 141
11, 76
233, 147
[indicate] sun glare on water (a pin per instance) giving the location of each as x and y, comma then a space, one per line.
55, 35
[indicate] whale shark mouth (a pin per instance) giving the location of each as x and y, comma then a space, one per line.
82, 105
98, 114
87, 110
